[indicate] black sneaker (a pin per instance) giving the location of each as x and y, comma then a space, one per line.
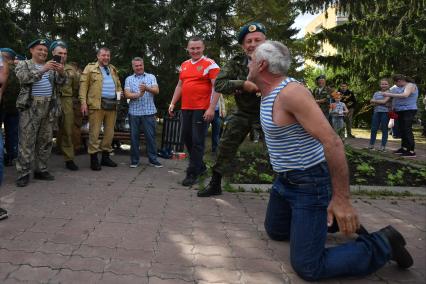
409, 154
3, 214
71, 165
190, 180
400, 151
23, 181
43, 176
156, 164
397, 242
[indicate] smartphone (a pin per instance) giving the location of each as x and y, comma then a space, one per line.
57, 58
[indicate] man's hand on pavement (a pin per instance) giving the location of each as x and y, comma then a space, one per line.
346, 216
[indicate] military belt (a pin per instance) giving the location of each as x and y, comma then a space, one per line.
42, 98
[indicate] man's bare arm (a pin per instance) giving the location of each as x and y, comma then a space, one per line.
409, 88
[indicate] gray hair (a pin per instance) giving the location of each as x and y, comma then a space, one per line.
137, 59
276, 54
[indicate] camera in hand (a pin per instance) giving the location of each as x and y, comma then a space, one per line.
57, 58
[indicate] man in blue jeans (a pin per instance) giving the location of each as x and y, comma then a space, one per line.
312, 185
140, 88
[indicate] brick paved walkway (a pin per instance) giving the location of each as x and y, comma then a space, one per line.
140, 226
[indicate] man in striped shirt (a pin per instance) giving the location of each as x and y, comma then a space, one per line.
311, 166
195, 86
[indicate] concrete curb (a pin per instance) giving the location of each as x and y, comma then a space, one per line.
354, 188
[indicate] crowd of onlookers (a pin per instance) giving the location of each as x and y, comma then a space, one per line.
394, 110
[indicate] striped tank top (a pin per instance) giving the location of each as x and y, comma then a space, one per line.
290, 147
43, 87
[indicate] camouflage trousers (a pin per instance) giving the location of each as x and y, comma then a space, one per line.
236, 130
65, 132
35, 137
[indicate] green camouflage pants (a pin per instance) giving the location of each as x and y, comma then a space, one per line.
65, 132
35, 137
236, 130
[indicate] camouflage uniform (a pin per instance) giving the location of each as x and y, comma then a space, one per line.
37, 115
230, 82
68, 93
323, 94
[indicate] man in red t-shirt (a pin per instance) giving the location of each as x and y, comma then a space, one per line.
195, 86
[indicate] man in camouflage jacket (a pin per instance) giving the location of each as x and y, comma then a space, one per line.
232, 80
39, 107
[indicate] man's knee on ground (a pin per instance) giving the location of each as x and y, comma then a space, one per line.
273, 235
305, 269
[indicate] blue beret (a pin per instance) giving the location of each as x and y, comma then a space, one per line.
56, 43
320, 77
250, 28
10, 51
44, 42
20, 57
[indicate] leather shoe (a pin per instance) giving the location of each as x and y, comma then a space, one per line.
43, 176
397, 243
213, 188
106, 160
23, 181
71, 165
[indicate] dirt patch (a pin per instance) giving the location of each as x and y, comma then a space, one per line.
252, 167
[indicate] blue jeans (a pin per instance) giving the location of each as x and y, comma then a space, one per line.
147, 123
216, 123
380, 121
297, 211
194, 135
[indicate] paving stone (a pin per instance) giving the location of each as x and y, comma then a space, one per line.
110, 278
213, 250
63, 249
92, 251
120, 267
92, 264
217, 274
215, 261
6, 269
171, 271
75, 277
259, 265
262, 277
28, 273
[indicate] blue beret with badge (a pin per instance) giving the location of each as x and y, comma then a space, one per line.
11, 52
57, 43
250, 28
44, 42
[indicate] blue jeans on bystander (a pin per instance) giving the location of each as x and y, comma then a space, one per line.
147, 124
297, 211
380, 121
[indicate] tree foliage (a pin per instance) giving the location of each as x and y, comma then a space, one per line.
157, 30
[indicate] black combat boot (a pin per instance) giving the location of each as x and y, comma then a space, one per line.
397, 242
43, 176
94, 162
106, 160
213, 188
23, 181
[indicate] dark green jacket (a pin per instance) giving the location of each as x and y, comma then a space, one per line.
8, 104
230, 82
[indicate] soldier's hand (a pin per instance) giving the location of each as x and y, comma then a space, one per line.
58, 67
250, 87
50, 65
171, 108
83, 109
